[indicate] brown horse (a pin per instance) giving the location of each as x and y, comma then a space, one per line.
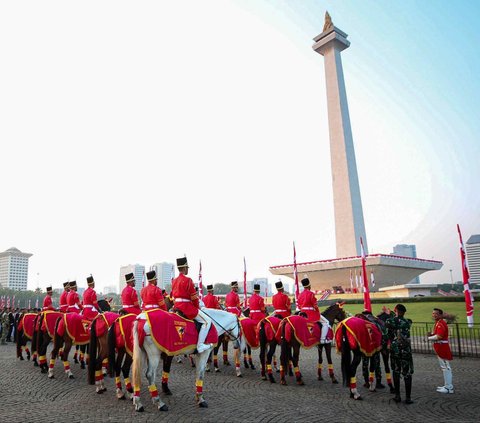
24, 333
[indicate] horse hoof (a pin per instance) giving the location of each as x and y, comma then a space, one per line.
21, 358
334, 380
71, 377
167, 391
207, 370
239, 375
226, 363
51, 377
300, 383
75, 361
140, 409
246, 365
163, 407
352, 395
283, 382
42, 370
203, 404
264, 377
217, 370
272, 380
28, 357
82, 366
35, 363
252, 366
320, 377
122, 398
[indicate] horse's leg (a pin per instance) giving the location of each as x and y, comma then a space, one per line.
99, 363
75, 355
263, 347
250, 360
270, 355
371, 373
153, 355
365, 366
201, 362
296, 360
127, 364
167, 365
66, 343
236, 358
357, 358
386, 362
117, 367
215, 355
225, 351
284, 356
320, 362
328, 353
83, 349
245, 356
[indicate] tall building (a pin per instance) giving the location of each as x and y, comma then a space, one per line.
165, 273
14, 269
406, 250
110, 289
263, 282
473, 258
138, 271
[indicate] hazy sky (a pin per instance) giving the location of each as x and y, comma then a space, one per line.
135, 132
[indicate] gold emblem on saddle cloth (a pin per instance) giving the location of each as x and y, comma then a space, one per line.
180, 327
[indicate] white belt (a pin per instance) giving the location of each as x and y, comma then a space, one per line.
307, 308
45, 308
127, 305
151, 306
182, 300
440, 342
76, 306
256, 311
233, 308
90, 306
280, 311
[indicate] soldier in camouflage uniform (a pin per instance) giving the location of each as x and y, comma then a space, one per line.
5, 322
401, 352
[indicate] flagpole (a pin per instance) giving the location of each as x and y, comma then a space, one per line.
366, 294
245, 302
295, 274
466, 282
200, 283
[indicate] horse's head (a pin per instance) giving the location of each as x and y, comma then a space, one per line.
104, 305
246, 312
335, 312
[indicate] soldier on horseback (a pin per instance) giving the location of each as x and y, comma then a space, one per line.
210, 300
151, 295
232, 300
129, 295
281, 302
90, 303
256, 304
186, 301
47, 301
73, 300
307, 302
63, 297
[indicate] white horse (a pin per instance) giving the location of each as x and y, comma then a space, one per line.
225, 323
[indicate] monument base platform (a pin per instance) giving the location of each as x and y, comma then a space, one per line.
388, 270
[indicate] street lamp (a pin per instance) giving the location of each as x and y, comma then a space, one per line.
451, 277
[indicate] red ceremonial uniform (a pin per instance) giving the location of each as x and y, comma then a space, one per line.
441, 346
90, 304
185, 296
47, 303
63, 302
211, 301
152, 298
73, 301
232, 302
307, 302
130, 300
282, 305
257, 307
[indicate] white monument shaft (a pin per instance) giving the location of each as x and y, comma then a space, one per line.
349, 224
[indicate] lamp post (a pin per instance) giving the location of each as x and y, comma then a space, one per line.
451, 277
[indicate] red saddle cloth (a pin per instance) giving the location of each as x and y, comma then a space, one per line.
103, 322
27, 324
124, 331
50, 318
173, 334
249, 329
361, 333
271, 327
306, 333
77, 328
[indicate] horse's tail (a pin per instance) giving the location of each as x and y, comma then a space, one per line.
92, 362
137, 359
39, 331
111, 350
346, 357
57, 339
19, 337
284, 349
35, 335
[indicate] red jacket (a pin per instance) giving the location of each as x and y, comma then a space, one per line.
152, 298
73, 301
185, 296
257, 307
63, 301
130, 300
307, 302
90, 304
282, 305
232, 303
441, 346
47, 303
211, 301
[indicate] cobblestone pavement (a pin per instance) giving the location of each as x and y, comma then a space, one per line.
26, 395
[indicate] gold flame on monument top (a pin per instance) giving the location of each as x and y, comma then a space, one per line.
328, 22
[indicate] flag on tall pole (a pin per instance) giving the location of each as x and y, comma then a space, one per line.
36, 303
295, 275
351, 281
200, 283
245, 302
372, 279
13, 302
8, 301
357, 282
143, 279
29, 303
366, 294
466, 282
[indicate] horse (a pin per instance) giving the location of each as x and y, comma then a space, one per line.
23, 333
223, 322
358, 336
45, 332
296, 332
65, 337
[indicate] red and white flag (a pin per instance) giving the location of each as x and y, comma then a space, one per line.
245, 300
173, 274
13, 302
466, 282
200, 283
366, 294
295, 275
143, 279
351, 281
2, 301
29, 303
36, 303
372, 279
8, 301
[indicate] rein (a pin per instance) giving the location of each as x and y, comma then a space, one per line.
228, 331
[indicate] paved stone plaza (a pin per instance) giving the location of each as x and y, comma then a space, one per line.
29, 396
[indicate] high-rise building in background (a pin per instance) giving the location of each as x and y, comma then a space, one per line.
473, 258
264, 288
110, 289
165, 273
139, 272
14, 269
406, 250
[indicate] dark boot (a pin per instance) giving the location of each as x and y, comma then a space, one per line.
396, 385
408, 389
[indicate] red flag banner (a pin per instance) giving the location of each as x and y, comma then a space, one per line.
143, 279
8, 301
372, 279
295, 275
200, 282
366, 294
13, 302
351, 281
466, 282
245, 300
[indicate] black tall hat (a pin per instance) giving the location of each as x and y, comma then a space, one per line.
182, 262
66, 284
129, 277
279, 285
151, 275
209, 287
73, 284
256, 287
306, 283
234, 284
90, 280
49, 289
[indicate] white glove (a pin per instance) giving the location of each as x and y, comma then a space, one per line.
433, 338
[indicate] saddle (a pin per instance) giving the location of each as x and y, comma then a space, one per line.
180, 313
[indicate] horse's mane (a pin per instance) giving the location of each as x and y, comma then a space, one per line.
104, 305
